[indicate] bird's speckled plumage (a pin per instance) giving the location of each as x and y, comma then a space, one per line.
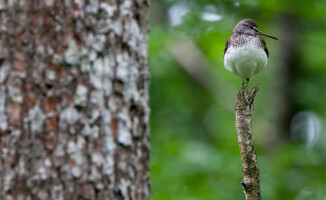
239, 40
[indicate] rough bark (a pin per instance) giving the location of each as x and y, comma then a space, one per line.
74, 99
243, 111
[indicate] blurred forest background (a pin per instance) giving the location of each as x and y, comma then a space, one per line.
195, 152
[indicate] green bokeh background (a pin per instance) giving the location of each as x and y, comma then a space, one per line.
195, 153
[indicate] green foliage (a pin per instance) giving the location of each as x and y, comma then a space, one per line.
195, 153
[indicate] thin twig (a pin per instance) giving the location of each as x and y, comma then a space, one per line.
250, 169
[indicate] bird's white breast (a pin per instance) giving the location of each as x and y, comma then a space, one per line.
245, 60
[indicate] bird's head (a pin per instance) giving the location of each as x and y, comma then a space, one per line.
249, 27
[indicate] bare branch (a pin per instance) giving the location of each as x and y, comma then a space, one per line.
250, 169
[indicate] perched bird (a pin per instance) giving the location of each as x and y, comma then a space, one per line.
245, 52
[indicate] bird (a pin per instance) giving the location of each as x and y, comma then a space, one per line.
245, 52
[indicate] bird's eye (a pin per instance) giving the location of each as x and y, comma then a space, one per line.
251, 27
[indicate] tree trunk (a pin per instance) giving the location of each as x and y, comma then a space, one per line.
74, 99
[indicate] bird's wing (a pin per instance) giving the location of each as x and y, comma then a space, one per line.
264, 46
227, 44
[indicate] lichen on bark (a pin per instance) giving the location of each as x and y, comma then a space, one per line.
74, 112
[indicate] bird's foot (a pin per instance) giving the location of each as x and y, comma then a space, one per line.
243, 81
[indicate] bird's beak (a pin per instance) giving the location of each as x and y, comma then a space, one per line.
264, 34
